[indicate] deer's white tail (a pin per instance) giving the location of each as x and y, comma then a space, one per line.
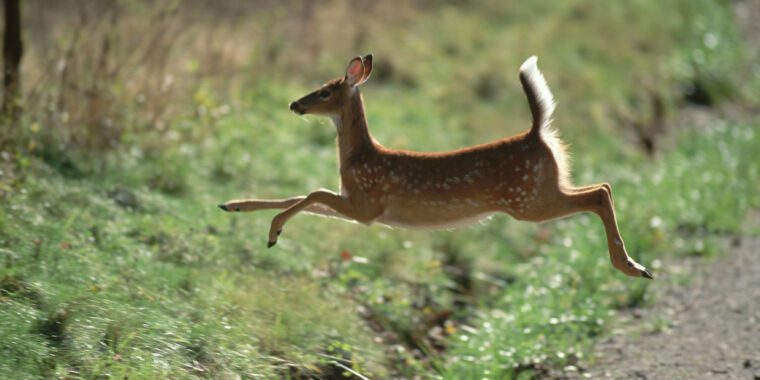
540, 98
541, 102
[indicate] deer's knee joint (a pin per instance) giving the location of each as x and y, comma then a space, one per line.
600, 201
604, 193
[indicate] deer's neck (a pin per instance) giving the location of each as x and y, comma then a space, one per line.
353, 134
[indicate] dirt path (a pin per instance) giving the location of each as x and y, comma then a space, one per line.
706, 329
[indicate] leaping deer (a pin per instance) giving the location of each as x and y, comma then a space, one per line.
526, 176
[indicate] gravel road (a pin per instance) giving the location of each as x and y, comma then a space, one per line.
706, 329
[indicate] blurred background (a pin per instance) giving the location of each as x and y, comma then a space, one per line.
128, 121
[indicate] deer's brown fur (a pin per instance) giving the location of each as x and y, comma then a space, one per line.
526, 176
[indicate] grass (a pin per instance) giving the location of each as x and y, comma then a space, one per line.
116, 262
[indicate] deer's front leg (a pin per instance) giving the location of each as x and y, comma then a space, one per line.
267, 204
260, 204
342, 205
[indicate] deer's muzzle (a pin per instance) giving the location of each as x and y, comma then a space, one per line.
297, 108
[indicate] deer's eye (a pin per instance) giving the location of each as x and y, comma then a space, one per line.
324, 94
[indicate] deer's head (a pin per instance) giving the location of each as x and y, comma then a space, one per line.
331, 96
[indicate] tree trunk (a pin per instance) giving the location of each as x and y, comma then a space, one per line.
12, 51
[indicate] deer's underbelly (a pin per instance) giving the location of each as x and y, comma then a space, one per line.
443, 216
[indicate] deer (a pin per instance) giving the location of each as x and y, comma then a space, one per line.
526, 175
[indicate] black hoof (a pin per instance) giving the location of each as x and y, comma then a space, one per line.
645, 273
270, 244
224, 207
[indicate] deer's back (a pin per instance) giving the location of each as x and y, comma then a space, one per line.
443, 190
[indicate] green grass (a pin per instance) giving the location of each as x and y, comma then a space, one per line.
119, 263
99, 278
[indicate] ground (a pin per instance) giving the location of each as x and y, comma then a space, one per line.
706, 328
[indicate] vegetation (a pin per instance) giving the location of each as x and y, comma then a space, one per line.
115, 262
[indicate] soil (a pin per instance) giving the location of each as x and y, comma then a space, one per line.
708, 328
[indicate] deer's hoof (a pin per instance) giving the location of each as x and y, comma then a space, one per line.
645, 273
271, 243
223, 207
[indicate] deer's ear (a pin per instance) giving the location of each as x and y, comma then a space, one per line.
355, 72
367, 60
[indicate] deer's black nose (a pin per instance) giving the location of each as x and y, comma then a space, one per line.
296, 107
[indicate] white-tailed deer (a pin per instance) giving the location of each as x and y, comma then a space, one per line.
526, 176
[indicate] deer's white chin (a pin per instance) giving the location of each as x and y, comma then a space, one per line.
336, 121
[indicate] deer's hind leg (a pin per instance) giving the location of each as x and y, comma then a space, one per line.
585, 188
597, 199
594, 198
